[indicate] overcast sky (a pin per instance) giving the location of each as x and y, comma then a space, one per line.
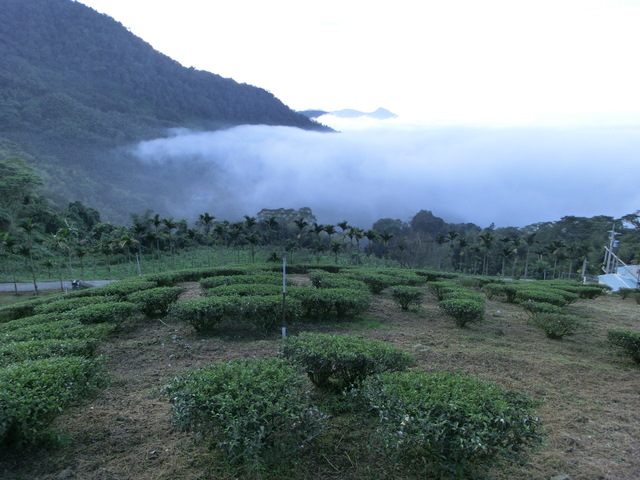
433, 60
510, 111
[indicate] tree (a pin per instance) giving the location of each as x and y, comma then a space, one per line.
205, 221
30, 228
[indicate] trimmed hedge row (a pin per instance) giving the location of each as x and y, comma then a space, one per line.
318, 303
462, 304
35, 391
37, 349
57, 330
155, 301
271, 278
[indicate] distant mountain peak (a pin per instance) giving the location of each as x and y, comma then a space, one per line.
379, 114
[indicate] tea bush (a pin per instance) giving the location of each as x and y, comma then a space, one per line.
265, 311
322, 279
546, 295
155, 300
628, 340
449, 425
203, 314
507, 292
407, 296
532, 307
109, 312
339, 362
245, 289
57, 330
270, 278
440, 288
463, 310
319, 303
256, 411
22, 309
37, 349
376, 282
66, 304
556, 325
35, 391
120, 288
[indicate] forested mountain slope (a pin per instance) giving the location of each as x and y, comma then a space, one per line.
75, 84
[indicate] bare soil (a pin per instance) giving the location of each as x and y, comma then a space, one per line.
591, 393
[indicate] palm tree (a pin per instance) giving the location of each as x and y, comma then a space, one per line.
8, 245
487, 238
205, 220
29, 227
386, 236
336, 247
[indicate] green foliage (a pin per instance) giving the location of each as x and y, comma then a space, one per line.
319, 303
67, 304
20, 309
57, 330
203, 314
265, 278
440, 288
406, 296
628, 340
628, 292
323, 279
120, 289
245, 289
463, 310
541, 307
339, 362
155, 300
35, 391
505, 291
541, 294
449, 425
376, 282
256, 411
37, 349
265, 311
556, 325
108, 312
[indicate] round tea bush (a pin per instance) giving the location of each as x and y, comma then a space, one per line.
448, 424
556, 325
339, 362
407, 296
463, 310
254, 410
628, 340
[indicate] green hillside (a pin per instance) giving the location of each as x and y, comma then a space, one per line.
75, 85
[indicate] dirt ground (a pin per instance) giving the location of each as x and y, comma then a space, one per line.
591, 393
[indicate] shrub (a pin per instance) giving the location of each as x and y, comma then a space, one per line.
628, 292
449, 424
507, 292
628, 340
322, 279
253, 410
37, 349
66, 304
203, 314
339, 362
265, 311
35, 391
463, 310
532, 307
155, 300
27, 322
546, 295
109, 312
406, 296
350, 302
316, 303
57, 330
376, 282
556, 325
120, 288
440, 288
245, 289
270, 278
22, 309
321, 302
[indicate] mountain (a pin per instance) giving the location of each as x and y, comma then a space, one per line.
75, 86
380, 113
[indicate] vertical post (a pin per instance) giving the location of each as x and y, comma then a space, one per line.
284, 294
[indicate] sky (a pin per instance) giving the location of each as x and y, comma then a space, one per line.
509, 111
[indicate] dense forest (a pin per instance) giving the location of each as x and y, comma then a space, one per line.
36, 234
75, 86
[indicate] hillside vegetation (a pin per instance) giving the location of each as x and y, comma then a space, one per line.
76, 84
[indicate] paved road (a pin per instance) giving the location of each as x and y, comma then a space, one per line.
28, 287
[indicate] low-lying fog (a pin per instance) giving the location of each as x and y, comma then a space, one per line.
508, 176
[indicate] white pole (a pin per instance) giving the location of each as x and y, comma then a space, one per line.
284, 294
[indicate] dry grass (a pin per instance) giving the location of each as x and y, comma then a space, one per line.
591, 396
